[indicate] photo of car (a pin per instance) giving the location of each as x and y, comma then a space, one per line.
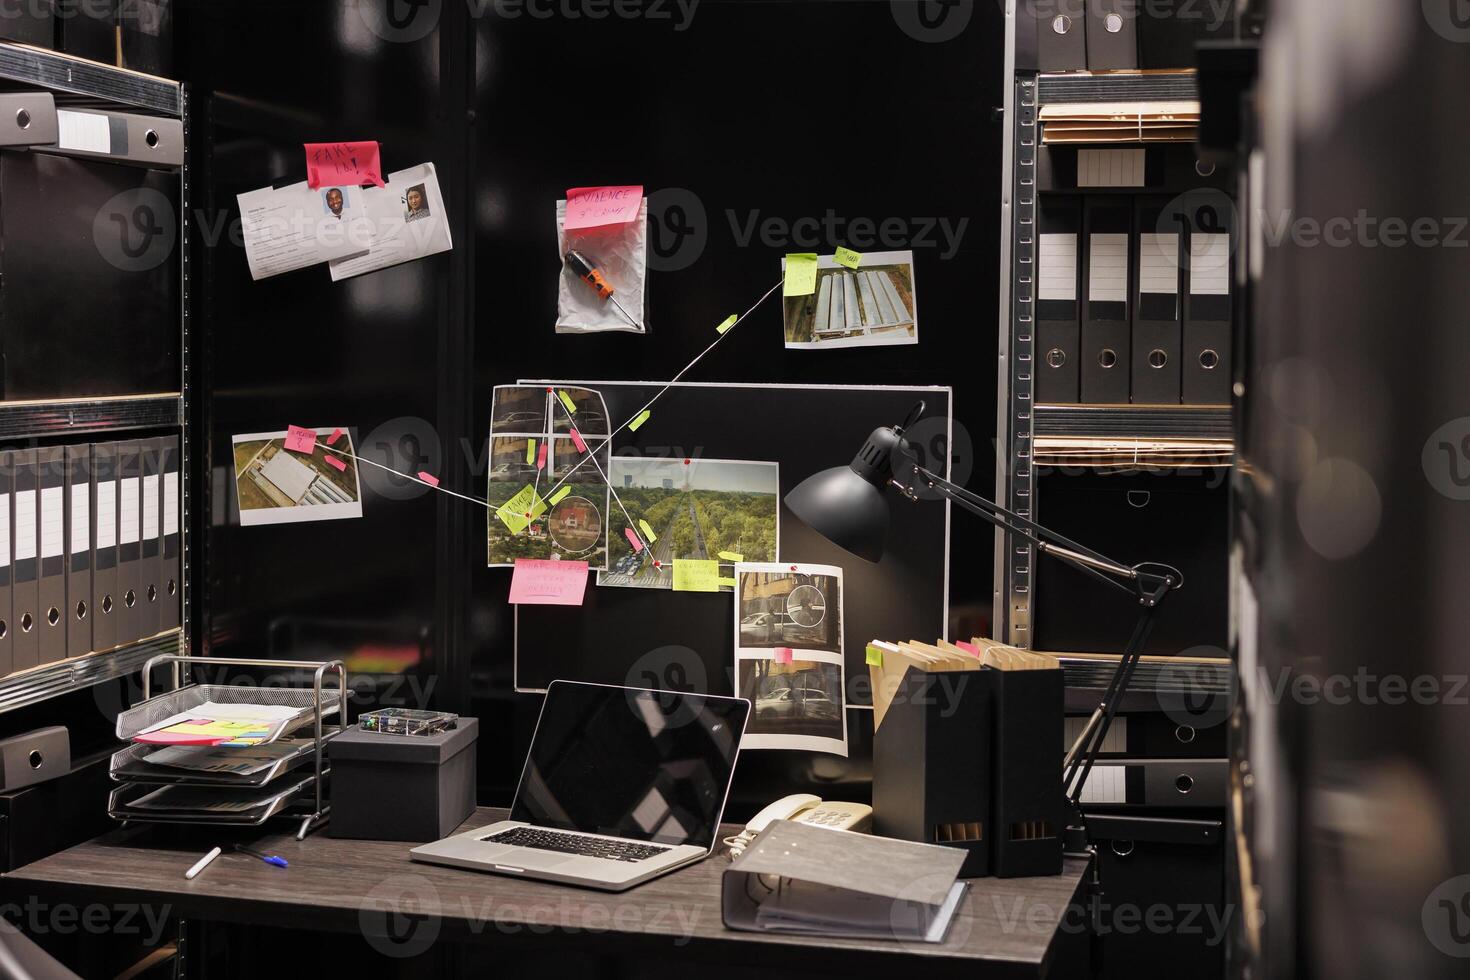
790, 609
799, 703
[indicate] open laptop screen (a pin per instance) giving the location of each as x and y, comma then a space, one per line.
626, 762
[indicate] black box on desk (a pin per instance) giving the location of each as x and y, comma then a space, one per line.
402, 787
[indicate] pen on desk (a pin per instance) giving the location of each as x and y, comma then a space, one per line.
202, 863
278, 861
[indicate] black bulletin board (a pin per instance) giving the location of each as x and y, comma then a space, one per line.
651, 637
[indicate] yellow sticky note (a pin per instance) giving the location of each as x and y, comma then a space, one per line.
801, 274
647, 531
696, 575
638, 420
847, 257
730, 321
727, 581
875, 656
731, 556
566, 400
530, 452
513, 513
556, 498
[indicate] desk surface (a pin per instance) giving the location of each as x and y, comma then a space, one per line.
1006, 927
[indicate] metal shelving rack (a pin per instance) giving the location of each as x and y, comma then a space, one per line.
77, 81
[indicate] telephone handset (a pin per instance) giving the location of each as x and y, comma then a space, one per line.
803, 808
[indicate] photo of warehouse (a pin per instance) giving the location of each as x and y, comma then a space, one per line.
275, 485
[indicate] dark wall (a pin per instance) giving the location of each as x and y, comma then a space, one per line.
757, 128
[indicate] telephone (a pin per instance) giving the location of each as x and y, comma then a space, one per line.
803, 808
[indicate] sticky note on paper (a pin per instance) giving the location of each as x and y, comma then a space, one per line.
514, 512
332, 439
875, 656
731, 556
300, 440
593, 207
647, 531
566, 400
696, 575
557, 497
727, 580
349, 164
967, 647
783, 655
336, 463
577, 440
539, 582
541, 457
638, 420
847, 257
801, 274
429, 478
730, 321
633, 539
530, 451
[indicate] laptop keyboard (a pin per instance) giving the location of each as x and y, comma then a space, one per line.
598, 847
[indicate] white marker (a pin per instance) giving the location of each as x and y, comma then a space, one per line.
203, 863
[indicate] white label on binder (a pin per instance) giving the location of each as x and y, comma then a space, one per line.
1056, 277
4, 530
85, 131
1209, 264
107, 514
1158, 264
128, 522
25, 524
1108, 269
171, 502
81, 527
1110, 168
1106, 784
150, 507
53, 522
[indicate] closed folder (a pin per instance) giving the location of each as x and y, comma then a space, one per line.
129, 539
1112, 35
1158, 309
1207, 303
1061, 35
24, 545
7, 619
150, 563
51, 485
171, 594
1058, 265
78, 609
105, 605
1106, 331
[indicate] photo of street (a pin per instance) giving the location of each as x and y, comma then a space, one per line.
797, 705
697, 509
789, 609
277, 486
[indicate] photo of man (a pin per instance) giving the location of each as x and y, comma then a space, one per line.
417, 202
335, 201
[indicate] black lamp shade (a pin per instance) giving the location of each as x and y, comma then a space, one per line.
845, 509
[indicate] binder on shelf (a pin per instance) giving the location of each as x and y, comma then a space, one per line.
1107, 223
1157, 305
105, 613
170, 613
1061, 35
1207, 305
1154, 783
1059, 232
150, 561
78, 609
24, 542
51, 485
1112, 35
129, 539
7, 620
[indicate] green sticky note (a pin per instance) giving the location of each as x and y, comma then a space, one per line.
727, 581
730, 321
513, 513
848, 258
647, 531
801, 274
638, 420
530, 452
875, 656
566, 400
696, 575
556, 498
731, 556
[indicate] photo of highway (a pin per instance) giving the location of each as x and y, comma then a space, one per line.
697, 509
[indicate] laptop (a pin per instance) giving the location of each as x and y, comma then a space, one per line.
621, 785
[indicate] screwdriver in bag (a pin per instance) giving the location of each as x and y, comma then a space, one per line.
586, 271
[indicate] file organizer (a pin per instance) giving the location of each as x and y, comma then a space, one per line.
172, 574
1061, 35
105, 614
24, 542
1112, 35
293, 788
129, 540
1157, 306
78, 609
1106, 331
51, 487
1059, 232
150, 560
1207, 302
7, 620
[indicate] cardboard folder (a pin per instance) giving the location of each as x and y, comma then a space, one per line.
1058, 271
105, 605
51, 487
24, 548
78, 609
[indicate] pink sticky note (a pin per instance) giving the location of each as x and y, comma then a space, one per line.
592, 207
783, 655
349, 164
332, 439
300, 440
429, 478
538, 582
336, 463
967, 647
541, 456
577, 440
633, 539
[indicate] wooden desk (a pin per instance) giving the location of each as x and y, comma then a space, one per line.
1018, 927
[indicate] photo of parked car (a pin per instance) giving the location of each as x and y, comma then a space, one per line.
790, 609
802, 699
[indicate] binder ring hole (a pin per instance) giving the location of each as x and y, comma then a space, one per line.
1157, 358
1184, 783
107, 604
1140, 498
23, 118
130, 598
1204, 169
4, 629
173, 587
1061, 24
1113, 23
53, 615
1209, 360
82, 609
152, 594
151, 138
1184, 733
27, 623
1056, 357
1107, 358
1122, 848
36, 759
